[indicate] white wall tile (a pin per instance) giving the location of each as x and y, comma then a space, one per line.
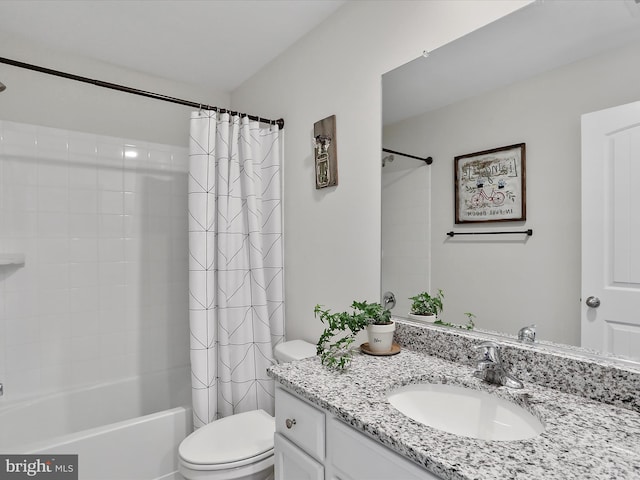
83, 201
83, 274
53, 174
19, 198
20, 170
110, 225
82, 148
53, 199
49, 274
83, 250
53, 250
85, 323
83, 225
55, 327
82, 300
19, 140
53, 224
110, 202
55, 352
103, 292
20, 304
53, 301
83, 176
23, 356
21, 224
110, 151
111, 178
19, 383
21, 330
111, 250
85, 347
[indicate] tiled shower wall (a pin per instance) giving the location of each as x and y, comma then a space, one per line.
405, 232
103, 292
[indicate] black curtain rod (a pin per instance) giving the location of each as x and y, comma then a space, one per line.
452, 234
427, 160
135, 91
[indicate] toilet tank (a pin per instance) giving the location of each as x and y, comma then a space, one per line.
293, 350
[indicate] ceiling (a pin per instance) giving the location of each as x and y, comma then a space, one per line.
209, 43
537, 38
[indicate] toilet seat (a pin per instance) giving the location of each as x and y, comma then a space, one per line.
231, 442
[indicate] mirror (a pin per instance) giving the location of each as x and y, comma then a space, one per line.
525, 78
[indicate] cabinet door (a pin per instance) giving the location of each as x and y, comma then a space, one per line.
354, 456
291, 463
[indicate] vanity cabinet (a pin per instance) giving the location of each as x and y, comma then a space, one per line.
313, 444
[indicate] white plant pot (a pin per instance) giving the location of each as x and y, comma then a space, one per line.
381, 337
423, 318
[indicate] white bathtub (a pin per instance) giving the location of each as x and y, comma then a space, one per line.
126, 430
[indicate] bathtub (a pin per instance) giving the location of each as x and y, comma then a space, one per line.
125, 430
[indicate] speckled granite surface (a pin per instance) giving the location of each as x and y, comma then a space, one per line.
583, 439
569, 370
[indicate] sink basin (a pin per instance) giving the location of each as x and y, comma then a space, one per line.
465, 412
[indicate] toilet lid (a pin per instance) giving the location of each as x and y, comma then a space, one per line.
230, 439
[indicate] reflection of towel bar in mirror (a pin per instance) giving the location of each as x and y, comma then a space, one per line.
427, 160
452, 234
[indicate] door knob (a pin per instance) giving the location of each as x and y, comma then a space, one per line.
289, 422
593, 302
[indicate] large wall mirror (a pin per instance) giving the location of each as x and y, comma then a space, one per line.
526, 78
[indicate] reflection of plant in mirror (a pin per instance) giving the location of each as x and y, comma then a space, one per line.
425, 304
469, 325
337, 354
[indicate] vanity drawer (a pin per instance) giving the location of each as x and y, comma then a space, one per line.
301, 423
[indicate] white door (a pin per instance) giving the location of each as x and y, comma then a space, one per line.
611, 230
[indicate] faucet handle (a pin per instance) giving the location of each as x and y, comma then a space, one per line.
527, 334
490, 352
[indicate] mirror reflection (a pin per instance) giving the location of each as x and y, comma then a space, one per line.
527, 78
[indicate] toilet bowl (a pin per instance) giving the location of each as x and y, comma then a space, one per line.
238, 447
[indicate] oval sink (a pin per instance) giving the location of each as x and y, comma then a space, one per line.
465, 412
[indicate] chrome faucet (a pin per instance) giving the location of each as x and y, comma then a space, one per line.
489, 367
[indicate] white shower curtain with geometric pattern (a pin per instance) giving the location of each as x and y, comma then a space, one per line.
236, 302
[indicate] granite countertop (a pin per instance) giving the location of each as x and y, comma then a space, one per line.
583, 439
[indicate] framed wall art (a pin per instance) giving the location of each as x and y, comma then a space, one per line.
490, 185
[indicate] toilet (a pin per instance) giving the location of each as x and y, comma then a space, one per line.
239, 446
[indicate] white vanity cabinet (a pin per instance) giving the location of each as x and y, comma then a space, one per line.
312, 444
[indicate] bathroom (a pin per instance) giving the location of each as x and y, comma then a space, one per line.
332, 259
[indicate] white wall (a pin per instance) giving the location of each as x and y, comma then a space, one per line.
332, 236
41, 99
103, 293
505, 281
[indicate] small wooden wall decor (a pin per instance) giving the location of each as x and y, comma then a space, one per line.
325, 152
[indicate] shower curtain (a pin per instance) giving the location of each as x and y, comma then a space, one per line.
236, 304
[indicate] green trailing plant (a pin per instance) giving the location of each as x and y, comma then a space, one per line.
425, 304
469, 325
336, 352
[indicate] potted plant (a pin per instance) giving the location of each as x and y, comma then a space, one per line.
334, 345
425, 307
470, 325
